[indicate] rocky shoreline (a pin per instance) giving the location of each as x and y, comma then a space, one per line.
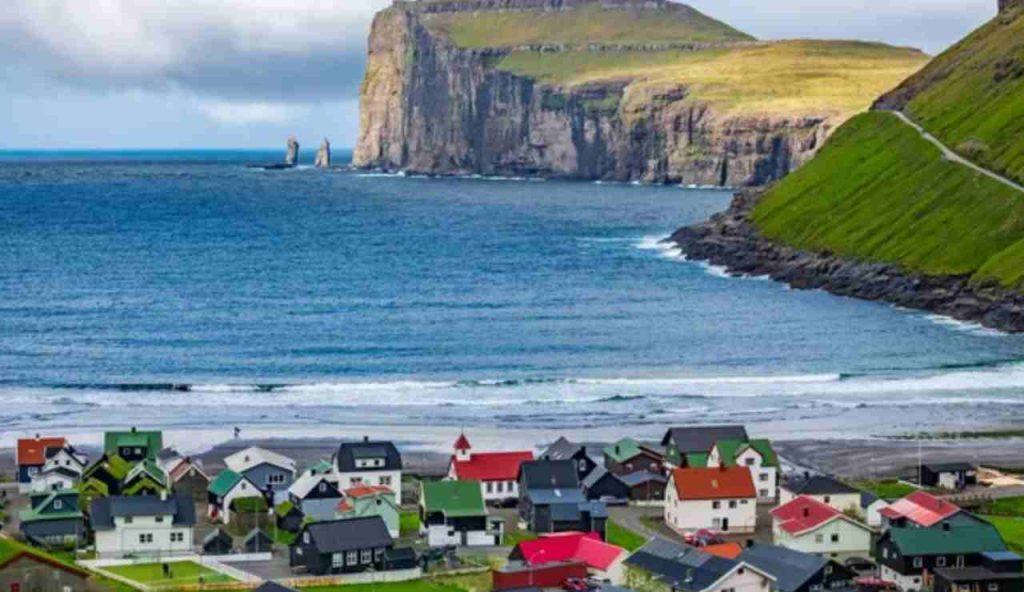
729, 239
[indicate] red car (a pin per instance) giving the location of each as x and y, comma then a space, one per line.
575, 585
703, 538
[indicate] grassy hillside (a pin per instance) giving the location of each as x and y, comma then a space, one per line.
588, 24
878, 191
972, 96
798, 77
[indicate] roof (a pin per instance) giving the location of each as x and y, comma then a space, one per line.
680, 566
183, 467
718, 483
254, 456
624, 450
491, 466
36, 511
727, 550
974, 574
349, 534
11, 551
462, 443
59, 470
819, 485
348, 452
702, 438
454, 498
960, 539
215, 534
104, 509
792, 569
307, 482
867, 498
225, 482
32, 451
255, 533
596, 475
552, 497
921, 508
562, 449
147, 467
550, 474
587, 548
803, 514
949, 467
152, 440
697, 459
730, 449
368, 490
640, 477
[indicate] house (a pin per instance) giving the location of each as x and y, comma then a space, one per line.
257, 541
185, 473
645, 487
365, 501
341, 546
133, 445
563, 449
103, 478
689, 446
954, 476
603, 560
228, 487
217, 542
142, 525
795, 571
810, 526
755, 454
629, 456
722, 499
30, 457
495, 472
825, 489
998, 572
870, 509
919, 509
453, 513
665, 566
62, 469
22, 569
267, 470
601, 484
53, 518
368, 463
909, 555
289, 518
145, 478
316, 496
550, 499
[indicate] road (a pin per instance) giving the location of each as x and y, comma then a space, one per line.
952, 156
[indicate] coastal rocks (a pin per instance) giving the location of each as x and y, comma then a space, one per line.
730, 240
323, 155
291, 157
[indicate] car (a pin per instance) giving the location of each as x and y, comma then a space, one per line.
861, 565
703, 537
575, 585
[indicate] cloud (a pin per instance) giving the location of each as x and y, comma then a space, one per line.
234, 113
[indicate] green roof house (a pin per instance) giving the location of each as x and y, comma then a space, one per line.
53, 518
228, 487
453, 513
102, 478
755, 453
133, 445
145, 478
629, 456
371, 500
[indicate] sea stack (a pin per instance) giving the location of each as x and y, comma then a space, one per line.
292, 157
323, 155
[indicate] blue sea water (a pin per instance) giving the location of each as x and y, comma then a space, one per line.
185, 290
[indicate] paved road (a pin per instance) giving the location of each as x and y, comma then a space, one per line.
952, 156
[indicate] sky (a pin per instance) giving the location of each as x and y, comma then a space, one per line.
108, 74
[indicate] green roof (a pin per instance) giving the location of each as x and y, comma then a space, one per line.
224, 482
764, 446
34, 515
153, 441
454, 498
960, 539
697, 460
321, 466
283, 508
623, 450
730, 449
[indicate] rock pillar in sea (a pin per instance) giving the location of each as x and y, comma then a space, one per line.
323, 155
291, 158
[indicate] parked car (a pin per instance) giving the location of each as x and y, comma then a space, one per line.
861, 565
703, 538
575, 585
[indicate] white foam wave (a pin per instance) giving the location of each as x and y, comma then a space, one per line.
965, 326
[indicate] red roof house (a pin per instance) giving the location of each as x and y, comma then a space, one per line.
806, 524
32, 451
496, 471
720, 499
713, 483
802, 514
586, 548
921, 508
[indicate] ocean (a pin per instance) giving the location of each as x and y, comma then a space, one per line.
185, 291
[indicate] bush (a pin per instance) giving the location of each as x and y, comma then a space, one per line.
249, 505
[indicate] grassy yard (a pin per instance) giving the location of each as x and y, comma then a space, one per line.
182, 572
514, 537
1007, 506
1011, 529
888, 490
409, 523
623, 537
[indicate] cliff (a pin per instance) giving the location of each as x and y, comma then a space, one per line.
590, 89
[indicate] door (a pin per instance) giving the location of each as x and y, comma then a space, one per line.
725, 525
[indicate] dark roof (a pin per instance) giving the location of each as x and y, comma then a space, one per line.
562, 449
215, 534
596, 475
549, 474
679, 566
104, 509
819, 485
349, 534
273, 587
790, 568
640, 477
867, 498
702, 438
255, 533
348, 452
950, 467
61, 471
975, 574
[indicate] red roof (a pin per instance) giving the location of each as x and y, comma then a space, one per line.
367, 490
921, 508
462, 443
586, 548
803, 513
491, 466
716, 483
32, 451
726, 550
345, 506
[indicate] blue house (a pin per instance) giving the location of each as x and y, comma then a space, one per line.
271, 472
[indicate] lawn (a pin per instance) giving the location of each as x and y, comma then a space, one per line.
514, 537
409, 523
1007, 506
182, 572
623, 537
1011, 529
888, 490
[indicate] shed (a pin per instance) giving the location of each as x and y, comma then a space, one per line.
257, 541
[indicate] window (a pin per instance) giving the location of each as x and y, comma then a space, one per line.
305, 537
501, 486
885, 553
993, 587
275, 479
918, 562
750, 462
385, 480
716, 523
828, 499
351, 558
490, 487
145, 538
366, 556
835, 538
357, 480
763, 493
159, 518
732, 504
177, 537
323, 487
940, 562
583, 464
337, 560
828, 569
128, 519
716, 505
57, 504
378, 553
819, 538
764, 476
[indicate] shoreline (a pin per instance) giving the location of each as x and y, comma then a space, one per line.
730, 240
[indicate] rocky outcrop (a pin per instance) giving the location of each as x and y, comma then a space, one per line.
291, 157
430, 107
729, 239
323, 155
1005, 5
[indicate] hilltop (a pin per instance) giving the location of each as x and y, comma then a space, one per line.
644, 90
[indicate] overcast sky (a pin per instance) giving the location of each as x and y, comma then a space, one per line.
247, 73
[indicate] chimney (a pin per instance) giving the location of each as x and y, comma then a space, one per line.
133, 429
37, 437
366, 439
749, 543
807, 512
807, 475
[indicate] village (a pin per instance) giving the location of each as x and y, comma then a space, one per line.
705, 509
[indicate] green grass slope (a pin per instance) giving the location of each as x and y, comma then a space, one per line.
972, 96
878, 191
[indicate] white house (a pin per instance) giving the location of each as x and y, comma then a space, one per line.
497, 472
55, 479
228, 487
825, 489
808, 525
316, 495
368, 463
143, 525
757, 455
723, 499
871, 507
